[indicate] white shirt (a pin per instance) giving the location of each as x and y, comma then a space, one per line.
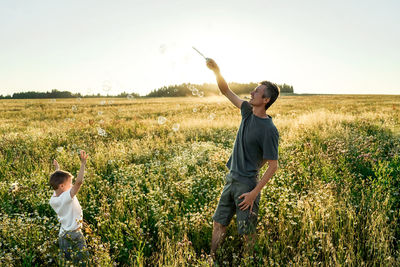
69, 211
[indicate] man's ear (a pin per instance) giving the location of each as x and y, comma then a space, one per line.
266, 100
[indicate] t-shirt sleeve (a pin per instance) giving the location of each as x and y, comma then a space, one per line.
270, 145
246, 109
67, 196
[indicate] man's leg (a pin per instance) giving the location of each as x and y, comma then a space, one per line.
222, 216
218, 234
246, 220
250, 241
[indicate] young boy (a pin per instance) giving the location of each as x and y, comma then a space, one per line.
69, 212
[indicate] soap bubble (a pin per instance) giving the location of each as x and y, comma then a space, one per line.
74, 108
102, 102
52, 100
101, 121
195, 91
100, 113
69, 119
161, 120
194, 109
129, 96
59, 149
101, 132
183, 170
107, 86
200, 94
79, 99
211, 116
74, 146
175, 127
162, 48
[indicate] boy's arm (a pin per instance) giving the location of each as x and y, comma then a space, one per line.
79, 179
222, 84
56, 165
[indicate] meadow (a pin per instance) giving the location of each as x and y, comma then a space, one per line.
156, 169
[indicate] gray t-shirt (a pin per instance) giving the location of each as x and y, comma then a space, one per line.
257, 139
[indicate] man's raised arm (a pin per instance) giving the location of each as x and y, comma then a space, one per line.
222, 85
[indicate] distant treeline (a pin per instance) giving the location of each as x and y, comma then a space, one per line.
58, 94
185, 89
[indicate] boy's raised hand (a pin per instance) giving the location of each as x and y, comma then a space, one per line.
56, 165
84, 156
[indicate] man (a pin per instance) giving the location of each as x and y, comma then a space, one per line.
256, 144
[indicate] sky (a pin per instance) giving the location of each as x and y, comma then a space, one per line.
107, 47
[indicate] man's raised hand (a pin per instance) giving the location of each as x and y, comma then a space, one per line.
212, 65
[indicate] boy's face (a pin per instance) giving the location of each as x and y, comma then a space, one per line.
66, 185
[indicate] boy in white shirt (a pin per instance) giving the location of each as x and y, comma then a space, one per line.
69, 212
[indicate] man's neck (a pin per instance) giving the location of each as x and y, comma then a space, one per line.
260, 112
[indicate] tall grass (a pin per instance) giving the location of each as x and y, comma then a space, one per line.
150, 191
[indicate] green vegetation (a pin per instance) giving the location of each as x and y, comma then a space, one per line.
151, 188
185, 89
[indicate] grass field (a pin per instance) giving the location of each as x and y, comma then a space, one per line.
151, 188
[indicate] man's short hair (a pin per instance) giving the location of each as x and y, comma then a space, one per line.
272, 91
59, 177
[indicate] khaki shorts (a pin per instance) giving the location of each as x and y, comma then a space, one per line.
229, 205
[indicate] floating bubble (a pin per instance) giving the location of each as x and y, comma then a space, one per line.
74, 108
175, 127
59, 149
101, 121
101, 132
100, 113
200, 94
161, 120
195, 91
175, 90
194, 109
211, 116
183, 170
162, 48
102, 102
79, 99
52, 100
129, 96
107, 86
111, 102
74, 146
110, 161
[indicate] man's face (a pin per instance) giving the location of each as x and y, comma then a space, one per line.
257, 96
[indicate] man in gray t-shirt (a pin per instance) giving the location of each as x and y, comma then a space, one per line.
256, 144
